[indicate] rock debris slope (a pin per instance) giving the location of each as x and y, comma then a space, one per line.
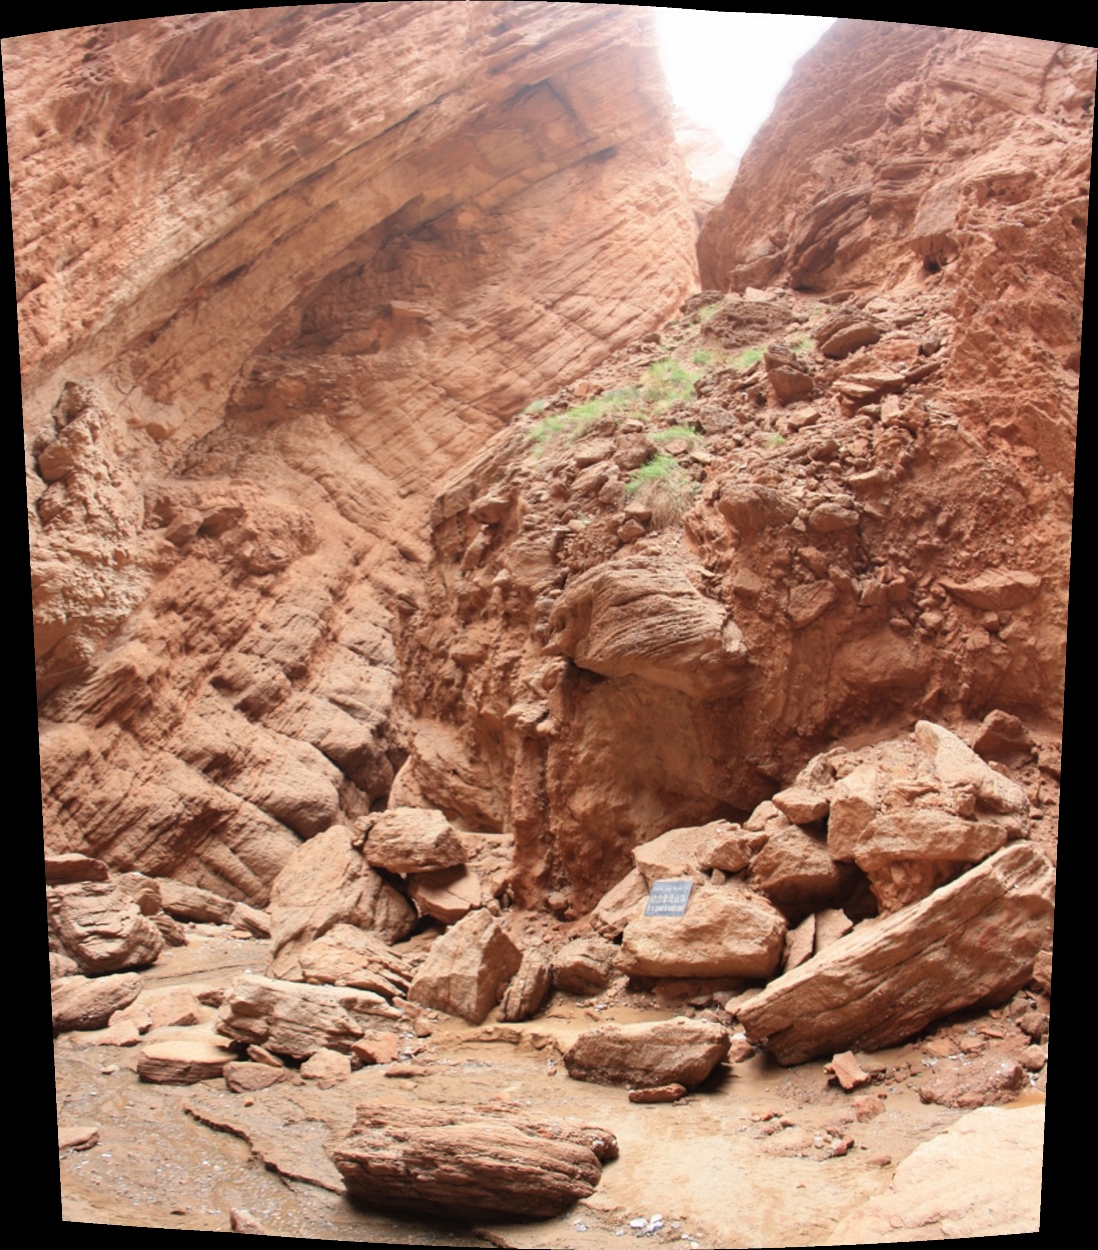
278, 271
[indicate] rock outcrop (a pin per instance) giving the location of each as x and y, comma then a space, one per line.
317, 271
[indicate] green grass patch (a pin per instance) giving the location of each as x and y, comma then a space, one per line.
677, 431
748, 357
617, 404
664, 486
668, 382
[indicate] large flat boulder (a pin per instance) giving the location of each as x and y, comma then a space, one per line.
288, 1018
974, 940
469, 1165
326, 882
727, 930
468, 969
101, 926
356, 958
667, 1052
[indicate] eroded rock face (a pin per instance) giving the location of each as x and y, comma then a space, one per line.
226, 330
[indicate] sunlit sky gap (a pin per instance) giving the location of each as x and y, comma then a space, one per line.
725, 69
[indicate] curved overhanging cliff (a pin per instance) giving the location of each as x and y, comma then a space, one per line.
278, 271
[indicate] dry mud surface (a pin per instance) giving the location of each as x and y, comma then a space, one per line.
734, 1164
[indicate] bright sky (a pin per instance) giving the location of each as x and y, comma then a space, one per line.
725, 69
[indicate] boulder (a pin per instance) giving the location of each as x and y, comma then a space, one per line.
972, 941
410, 839
672, 854
354, 957
89, 1002
726, 931
584, 966
192, 902
182, 1062
247, 1078
959, 768
376, 1047
326, 1067
447, 894
67, 869
801, 805
326, 882
529, 988
996, 590
678, 1051
612, 912
467, 969
288, 1018
101, 927
727, 847
469, 1165
795, 871
1002, 737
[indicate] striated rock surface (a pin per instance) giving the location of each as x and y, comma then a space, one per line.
89, 1002
319, 268
972, 941
101, 927
469, 1164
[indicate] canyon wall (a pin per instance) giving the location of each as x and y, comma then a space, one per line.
279, 270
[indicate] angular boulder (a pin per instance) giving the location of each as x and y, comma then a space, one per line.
412, 839
69, 868
182, 1062
192, 902
469, 1165
614, 909
89, 1002
101, 927
667, 1052
468, 969
356, 958
529, 988
326, 882
287, 1018
972, 941
584, 966
727, 931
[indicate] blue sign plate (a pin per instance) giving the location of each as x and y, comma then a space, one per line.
668, 898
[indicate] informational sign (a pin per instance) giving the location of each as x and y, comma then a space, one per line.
668, 898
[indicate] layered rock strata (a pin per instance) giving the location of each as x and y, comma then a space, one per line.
278, 271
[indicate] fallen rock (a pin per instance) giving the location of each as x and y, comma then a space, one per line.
241, 1220
62, 966
795, 871
326, 882
467, 969
247, 1078
101, 927
88, 1003
297, 1020
997, 590
800, 943
326, 1067
612, 912
673, 854
848, 1072
678, 1051
971, 941
726, 931
1002, 737
658, 1093
529, 988
375, 1047
448, 894
77, 1137
584, 966
182, 1063
469, 1165
357, 958
192, 902
727, 848
67, 869
801, 805
981, 1177
410, 839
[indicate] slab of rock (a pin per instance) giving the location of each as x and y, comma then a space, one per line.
678, 1051
795, 871
801, 805
376, 1047
62, 966
174, 1005
800, 943
288, 1018
145, 892
182, 1062
66, 869
101, 927
469, 1165
727, 848
357, 958
958, 767
89, 1002
613, 910
1002, 737
848, 1072
673, 854
997, 590
411, 839
467, 969
326, 882
192, 902
529, 988
981, 1178
658, 1093
853, 805
77, 1137
727, 931
584, 966
247, 1078
973, 940
831, 924
448, 894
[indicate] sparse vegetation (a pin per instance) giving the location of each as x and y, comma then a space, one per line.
668, 382
748, 357
678, 431
664, 486
617, 404
702, 358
